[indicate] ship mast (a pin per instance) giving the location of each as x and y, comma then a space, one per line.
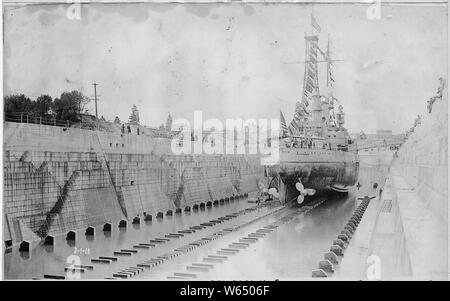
330, 81
310, 80
328, 53
315, 112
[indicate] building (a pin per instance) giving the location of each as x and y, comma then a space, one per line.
381, 139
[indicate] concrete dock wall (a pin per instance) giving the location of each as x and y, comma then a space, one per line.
414, 227
423, 158
57, 180
420, 231
404, 232
400, 238
419, 192
387, 239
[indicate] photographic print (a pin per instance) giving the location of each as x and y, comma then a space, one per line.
299, 140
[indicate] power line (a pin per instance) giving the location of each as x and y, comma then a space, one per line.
95, 98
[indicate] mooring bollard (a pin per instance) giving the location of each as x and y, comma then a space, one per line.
339, 242
354, 220
337, 250
343, 237
326, 266
332, 257
319, 273
352, 225
346, 233
349, 229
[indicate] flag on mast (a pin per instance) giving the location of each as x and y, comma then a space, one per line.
314, 24
284, 129
331, 82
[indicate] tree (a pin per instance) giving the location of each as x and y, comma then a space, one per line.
69, 105
17, 103
169, 123
43, 105
134, 117
117, 120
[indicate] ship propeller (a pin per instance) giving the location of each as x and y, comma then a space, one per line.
274, 192
303, 191
270, 191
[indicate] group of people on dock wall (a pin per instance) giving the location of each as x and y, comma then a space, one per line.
430, 103
442, 84
128, 129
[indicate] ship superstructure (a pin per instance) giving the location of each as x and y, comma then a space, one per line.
314, 147
316, 114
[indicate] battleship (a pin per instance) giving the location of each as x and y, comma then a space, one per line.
93, 198
316, 151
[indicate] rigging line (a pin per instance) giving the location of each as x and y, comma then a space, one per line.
321, 61
323, 53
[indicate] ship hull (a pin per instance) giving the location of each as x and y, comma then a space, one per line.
338, 175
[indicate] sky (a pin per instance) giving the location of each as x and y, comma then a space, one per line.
228, 60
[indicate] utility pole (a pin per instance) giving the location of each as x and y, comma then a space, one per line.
95, 98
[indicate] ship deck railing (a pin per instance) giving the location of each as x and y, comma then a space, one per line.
296, 147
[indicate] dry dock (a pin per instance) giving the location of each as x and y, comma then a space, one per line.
403, 233
393, 225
